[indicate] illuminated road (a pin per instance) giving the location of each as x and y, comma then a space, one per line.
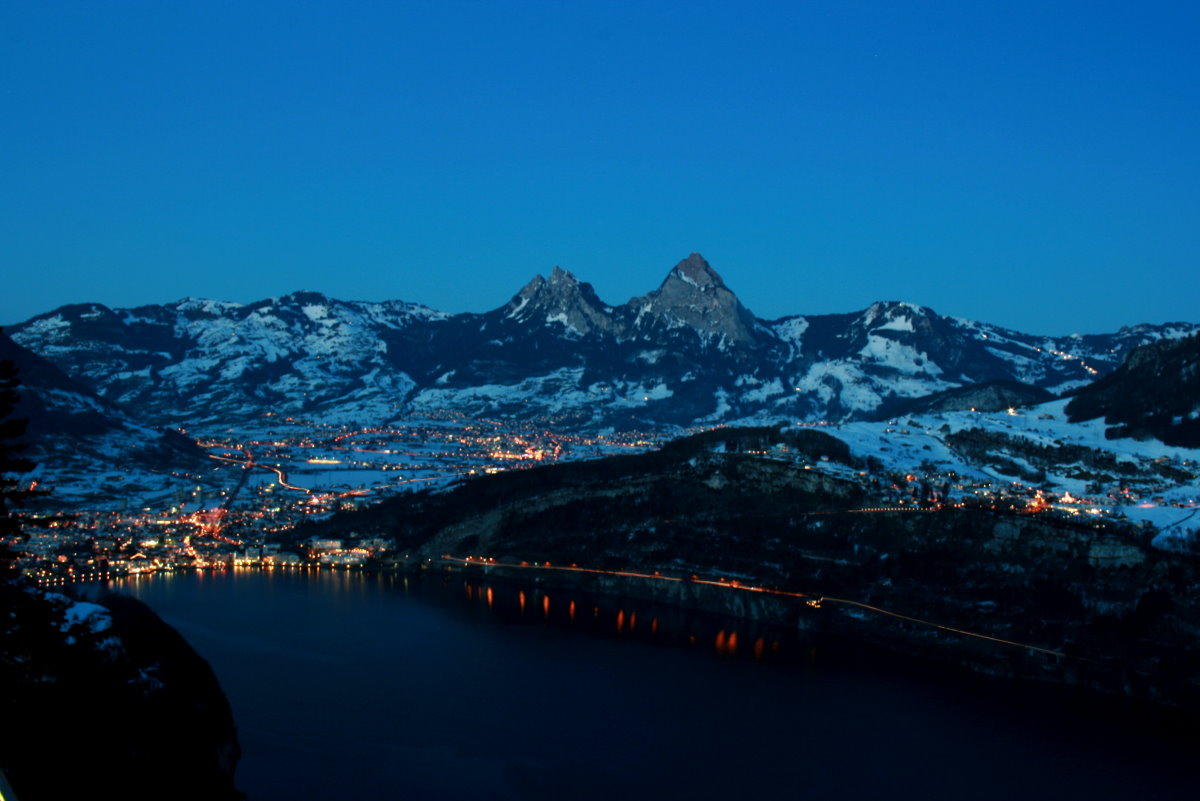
729, 584
248, 462
817, 602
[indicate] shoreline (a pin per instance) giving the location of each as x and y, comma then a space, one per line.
924, 642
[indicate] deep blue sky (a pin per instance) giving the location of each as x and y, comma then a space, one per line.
1035, 165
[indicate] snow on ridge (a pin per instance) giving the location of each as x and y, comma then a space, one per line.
561, 318
764, 391
841, 381
791, 330
649, 356
659, 391
51, 329
517, 309
317, 312
845, 383
897, 324
213, 307
83, 613
681, 275
892, 353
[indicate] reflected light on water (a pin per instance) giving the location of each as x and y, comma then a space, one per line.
725, 642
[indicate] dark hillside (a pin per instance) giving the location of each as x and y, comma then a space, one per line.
1113, 612
1154, 393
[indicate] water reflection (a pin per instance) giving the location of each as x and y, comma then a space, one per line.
668, 625
528, 716
508, 602
726, 644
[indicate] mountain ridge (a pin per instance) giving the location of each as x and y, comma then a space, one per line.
686, 353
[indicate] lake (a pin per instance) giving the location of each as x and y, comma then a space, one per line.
350, 686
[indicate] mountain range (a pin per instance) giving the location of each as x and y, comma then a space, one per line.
687, 353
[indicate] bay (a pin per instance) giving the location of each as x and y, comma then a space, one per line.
354, 686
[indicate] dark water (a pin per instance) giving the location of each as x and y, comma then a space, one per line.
357, 687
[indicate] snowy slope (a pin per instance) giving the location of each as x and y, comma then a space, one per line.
1139, 480
686, 353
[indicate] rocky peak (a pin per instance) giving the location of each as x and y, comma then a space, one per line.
561, 299
693, 295
696, 272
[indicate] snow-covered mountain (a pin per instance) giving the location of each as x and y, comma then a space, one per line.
686, 353
201, 359
73, 432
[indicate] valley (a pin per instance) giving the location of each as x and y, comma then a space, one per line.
862, 459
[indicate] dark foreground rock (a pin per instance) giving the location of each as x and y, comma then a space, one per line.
101, 698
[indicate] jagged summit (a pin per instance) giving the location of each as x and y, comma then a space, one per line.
562, 299
694, 295
696, 271
686, 353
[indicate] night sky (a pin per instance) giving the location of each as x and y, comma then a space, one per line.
1034, 165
